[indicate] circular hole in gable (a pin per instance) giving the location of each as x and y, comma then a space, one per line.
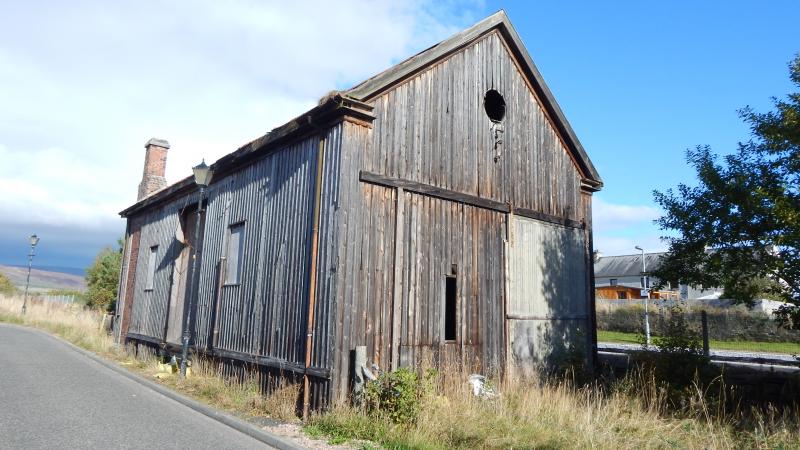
495, 105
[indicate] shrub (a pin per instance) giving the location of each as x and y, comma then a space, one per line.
6, 286
679, 362
398, 394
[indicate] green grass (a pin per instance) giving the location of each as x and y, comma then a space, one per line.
789, 348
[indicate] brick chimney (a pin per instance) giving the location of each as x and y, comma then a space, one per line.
155, 163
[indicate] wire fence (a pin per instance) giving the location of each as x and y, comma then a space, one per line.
722, 329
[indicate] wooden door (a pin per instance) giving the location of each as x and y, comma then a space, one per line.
180, 293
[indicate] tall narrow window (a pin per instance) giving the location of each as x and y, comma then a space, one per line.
450, 295
151, 268
233, 269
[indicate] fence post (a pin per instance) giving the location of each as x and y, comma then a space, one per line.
704, 323
358, 381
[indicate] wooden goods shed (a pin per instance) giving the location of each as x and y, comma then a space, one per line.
440, 210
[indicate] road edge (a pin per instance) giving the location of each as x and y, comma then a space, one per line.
208, 411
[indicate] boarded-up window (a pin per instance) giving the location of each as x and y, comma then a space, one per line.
151, 268
233, 271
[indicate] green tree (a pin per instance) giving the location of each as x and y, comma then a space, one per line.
739, 228
102, 277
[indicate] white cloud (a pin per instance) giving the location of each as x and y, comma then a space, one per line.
613, 216
85, 85
618, 228
616, 245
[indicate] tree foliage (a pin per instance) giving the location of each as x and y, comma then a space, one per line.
102, 278
739, 228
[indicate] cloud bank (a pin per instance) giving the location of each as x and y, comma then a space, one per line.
85, 84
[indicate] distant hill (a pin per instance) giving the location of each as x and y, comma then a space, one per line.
42, 279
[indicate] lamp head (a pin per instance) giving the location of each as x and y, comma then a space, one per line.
639, 248
33, 240
202, 174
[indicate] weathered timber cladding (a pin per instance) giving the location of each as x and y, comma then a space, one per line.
433, 129
420, 195
444, 237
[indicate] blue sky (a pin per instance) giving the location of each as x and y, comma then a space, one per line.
83, 85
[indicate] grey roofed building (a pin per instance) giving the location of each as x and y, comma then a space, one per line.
626, 270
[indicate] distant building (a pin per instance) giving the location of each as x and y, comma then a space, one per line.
620, 277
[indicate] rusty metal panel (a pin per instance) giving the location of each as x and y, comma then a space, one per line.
547, 306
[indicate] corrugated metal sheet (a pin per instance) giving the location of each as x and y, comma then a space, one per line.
548, 302
150, 306
265, 313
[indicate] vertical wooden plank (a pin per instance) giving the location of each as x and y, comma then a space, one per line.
399, 222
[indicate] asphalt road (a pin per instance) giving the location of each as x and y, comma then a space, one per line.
53, 397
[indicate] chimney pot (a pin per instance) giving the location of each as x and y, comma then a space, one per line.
155, 164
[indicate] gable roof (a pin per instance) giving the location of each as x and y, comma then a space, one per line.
498, 21
353, 103
626, 265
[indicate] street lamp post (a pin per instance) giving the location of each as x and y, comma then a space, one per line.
202, 177
33, 240
646, 289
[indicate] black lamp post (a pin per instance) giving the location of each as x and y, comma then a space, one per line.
202, 177
33, 240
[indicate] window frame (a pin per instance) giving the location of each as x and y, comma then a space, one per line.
152, 263
238, 229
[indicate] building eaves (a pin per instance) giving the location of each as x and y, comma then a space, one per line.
331, 109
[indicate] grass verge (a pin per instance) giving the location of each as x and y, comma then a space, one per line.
630, 414
787, 348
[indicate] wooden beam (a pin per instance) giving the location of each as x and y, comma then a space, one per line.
265, 361
467, 199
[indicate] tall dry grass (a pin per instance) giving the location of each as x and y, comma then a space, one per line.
73, 322
528, 413
557, 414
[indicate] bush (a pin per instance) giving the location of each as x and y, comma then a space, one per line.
6, 286
680, 362
398, 394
